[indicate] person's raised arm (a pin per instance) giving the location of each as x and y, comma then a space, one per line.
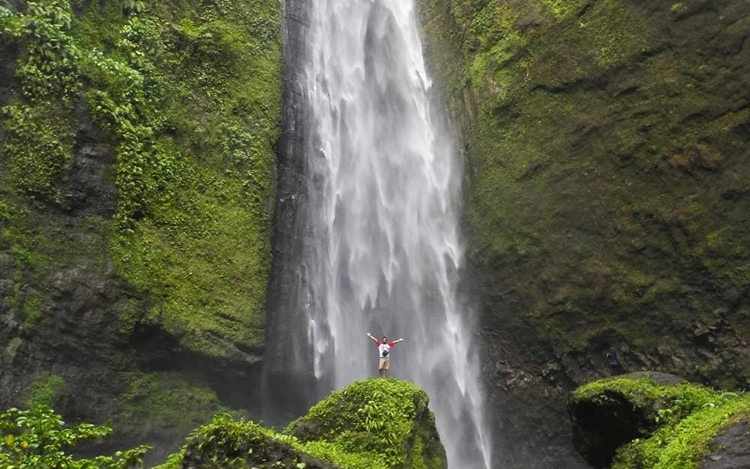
372, 337
398, 340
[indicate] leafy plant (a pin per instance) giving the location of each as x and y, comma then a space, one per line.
135, 6
38, 123
38, 439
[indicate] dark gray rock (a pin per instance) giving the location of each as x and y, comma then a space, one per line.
730, 448
286, 376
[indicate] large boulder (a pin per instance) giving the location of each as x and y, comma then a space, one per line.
655, 420
386, 418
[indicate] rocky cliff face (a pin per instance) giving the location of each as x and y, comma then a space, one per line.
137, 181
607, 192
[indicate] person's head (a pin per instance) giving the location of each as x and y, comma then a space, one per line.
385, 339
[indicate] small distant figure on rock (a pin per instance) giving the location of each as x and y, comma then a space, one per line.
614, 364
384, 350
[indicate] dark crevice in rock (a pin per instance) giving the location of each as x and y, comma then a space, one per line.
234, 378
604, 425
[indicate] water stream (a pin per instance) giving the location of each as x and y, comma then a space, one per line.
383, 252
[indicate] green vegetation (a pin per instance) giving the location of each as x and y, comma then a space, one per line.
44, 390
680, 420
136, 191
379, 423
38, 438
38, 124
31, 311
188, 97
228, 444
564, 8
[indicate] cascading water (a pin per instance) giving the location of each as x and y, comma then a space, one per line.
383, 251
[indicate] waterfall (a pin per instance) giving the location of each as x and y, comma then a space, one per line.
381, 249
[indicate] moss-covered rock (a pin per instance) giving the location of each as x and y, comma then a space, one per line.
387, 418
229, 444
605, 146
651, 420
378, 423
187, 100
44, 390
137, 185
153, 401
607, 169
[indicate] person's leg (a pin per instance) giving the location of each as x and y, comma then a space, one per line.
385, 368
381, 368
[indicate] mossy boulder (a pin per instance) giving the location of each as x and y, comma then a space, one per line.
387, 418
653, 421
231, 444
373, 424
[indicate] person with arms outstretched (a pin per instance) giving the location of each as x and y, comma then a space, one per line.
384, 350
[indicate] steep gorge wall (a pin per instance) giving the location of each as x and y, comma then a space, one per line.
137, 186
608, 193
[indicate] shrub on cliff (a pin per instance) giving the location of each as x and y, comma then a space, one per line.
651, 420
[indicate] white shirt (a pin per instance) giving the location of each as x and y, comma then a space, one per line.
384, 349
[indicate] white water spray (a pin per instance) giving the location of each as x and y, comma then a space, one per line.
385, 253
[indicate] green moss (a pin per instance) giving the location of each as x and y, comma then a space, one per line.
417, 461
233, 442
564, 8
204, 126
686, 417
23, 245
615, 33
600, 168
37, 148
383, 417
165, 399
230, 443
31, 311
46, 389
684, 445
